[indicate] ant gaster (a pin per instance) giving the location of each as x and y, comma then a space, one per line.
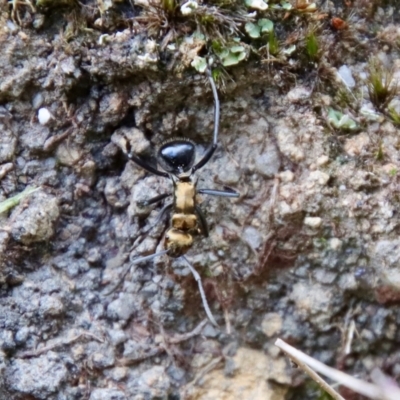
176, 157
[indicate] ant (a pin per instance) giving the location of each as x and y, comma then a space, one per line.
176, 157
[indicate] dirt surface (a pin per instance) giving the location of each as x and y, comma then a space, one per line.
309, 252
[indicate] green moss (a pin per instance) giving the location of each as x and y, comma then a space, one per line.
394, 116
381, 88
55, 3
273, 44
217, 46
379, 155
169, 6
343, 98
216, 74
206, 19
207, 273
312, 46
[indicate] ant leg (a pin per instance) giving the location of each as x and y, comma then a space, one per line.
134, 262
137, 160
147, 258
202, 220
210, 151
221, 193
202, 294
166, 209
153, 200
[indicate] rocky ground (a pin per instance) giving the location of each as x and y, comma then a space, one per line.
309, 252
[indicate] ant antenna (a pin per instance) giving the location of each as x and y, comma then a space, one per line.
216, 106
203, 295
147, 258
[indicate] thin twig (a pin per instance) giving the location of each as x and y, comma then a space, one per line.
227, 322
209, 367
186, 336
151, 353
272, 199
349, 337
164, 346
53, 141
59, 343
5, 169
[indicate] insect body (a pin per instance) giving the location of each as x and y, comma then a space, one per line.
184, 223
176, 157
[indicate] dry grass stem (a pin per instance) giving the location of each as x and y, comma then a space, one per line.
59, 343
383, 391
291, 353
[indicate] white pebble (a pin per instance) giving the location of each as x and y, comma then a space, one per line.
335, 244
257, 4
313, 222
286, 176
322, 160
321, 177
345, 74
189, 7
44, 116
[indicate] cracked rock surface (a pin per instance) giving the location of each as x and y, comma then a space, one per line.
310, 247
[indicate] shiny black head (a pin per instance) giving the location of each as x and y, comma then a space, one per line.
176, 156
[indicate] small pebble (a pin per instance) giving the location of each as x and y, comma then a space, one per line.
335, 244
313, 222
322, 160
286, 176
344, 73
44, 116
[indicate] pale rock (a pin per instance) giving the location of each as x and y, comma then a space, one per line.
286, 176
313, 222
356, 144
271, 324
320, 177
323, 160
335, 244
44, 116
253, 370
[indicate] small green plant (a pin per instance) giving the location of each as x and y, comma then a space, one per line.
199, 63
216, 74
208, 273
11, 202
343, 98
273, 44
379, 155
263, 25
341, 121
393, 172
231, 54
169, 6
381, 88
312, 46
394, 115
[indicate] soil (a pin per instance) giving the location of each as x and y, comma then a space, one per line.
308, 253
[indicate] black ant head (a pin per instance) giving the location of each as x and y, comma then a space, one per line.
176, 156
